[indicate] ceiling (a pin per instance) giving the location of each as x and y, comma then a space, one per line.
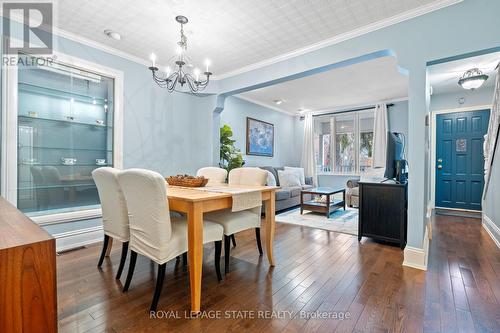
232, 34
444, 77
360, 84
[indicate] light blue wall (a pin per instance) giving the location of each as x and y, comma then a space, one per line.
397, 116
151, 113
481, 96
235, 114
167, 133
415, 42
155, 121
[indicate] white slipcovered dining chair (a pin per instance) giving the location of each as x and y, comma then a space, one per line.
114, 212
216, 176
234, 222
152, 233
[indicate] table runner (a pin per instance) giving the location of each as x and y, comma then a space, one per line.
243, 198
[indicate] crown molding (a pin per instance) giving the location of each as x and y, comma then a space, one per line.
327, 42
408, 15
319, 112
274, 108
89, 42
100, 46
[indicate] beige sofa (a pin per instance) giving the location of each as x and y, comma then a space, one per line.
352, 193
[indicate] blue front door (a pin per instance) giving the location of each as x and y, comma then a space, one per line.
459, 159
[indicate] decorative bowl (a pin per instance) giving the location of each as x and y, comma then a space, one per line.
187, 181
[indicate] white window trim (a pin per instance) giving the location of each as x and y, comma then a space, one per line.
9, 133
357, 143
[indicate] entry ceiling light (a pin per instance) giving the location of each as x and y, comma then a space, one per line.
278, 101
178, 74
472, 79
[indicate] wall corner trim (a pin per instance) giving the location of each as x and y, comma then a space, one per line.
77, 238
492, 229
415, 257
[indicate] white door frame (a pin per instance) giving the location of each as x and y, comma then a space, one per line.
10, 128
432, 201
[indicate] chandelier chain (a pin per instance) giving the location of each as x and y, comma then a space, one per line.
180, 76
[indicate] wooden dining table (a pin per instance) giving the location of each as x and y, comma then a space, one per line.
197, 202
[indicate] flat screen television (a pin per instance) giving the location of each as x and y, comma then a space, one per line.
395, 151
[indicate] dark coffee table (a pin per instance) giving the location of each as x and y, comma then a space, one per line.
328, 206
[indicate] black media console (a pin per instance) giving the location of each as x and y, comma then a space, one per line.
383, 212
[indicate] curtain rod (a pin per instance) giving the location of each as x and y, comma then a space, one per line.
347, 111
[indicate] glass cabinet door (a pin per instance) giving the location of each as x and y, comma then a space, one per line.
65, 131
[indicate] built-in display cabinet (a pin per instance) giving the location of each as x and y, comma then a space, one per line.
65, 127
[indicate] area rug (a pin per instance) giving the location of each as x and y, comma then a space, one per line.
344, 221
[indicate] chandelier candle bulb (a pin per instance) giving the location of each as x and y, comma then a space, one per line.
153, 60
178, 75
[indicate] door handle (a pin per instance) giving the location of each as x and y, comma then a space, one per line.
440, 166
440, 160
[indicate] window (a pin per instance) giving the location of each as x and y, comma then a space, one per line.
366, 121
344, 142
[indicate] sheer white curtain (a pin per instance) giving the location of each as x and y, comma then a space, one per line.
308, 162
380, 128
333, 153
489, 139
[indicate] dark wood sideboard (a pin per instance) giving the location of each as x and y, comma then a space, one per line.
28, 296
383, 212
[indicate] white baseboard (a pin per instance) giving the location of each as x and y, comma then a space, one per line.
492, 229
415, 257
430, 207
77, 238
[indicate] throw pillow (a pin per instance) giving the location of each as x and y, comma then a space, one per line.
300, 173
288, 178
271, 181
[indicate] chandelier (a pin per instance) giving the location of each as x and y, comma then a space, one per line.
472, 79
180, 76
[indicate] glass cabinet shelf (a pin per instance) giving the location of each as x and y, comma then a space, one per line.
27, 119
45, 91
65, 131
56, 186
61, 148
63, 165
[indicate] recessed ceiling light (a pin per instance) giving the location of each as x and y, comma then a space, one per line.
112, 34
278, 101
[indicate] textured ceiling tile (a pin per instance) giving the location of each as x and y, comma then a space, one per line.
233, 34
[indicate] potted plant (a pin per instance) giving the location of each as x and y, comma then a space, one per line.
230, 156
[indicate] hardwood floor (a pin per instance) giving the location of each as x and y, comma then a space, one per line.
317, 272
